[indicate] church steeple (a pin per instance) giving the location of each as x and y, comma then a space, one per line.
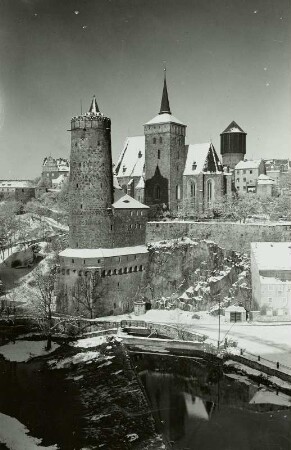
165, 105
94, 107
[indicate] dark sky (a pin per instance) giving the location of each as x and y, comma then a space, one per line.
226, 60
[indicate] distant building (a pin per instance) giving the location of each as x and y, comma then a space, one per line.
19, 190
271, 277
160, 170
246, 175
54, 168
266, 186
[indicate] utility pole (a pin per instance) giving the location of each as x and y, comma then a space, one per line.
218, 343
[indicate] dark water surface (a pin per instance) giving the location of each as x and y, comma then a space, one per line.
198, 407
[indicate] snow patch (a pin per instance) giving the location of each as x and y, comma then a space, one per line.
22, 351
86, 357
14, 435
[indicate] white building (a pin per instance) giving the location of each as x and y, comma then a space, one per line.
247, 174
271, 277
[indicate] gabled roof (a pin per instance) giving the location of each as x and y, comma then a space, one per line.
202, 158
132, 158
164, 118
264, 179
233, 127
127, 202
140, 184
248, 164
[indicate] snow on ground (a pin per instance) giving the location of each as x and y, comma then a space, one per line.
14, 435
95, 341
269, 340
22, 351
65, 363
264, 396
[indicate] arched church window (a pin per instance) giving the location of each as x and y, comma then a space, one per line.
192, 189
178, 192
159, 154
210, 191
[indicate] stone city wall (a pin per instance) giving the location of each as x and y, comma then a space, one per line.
229, 235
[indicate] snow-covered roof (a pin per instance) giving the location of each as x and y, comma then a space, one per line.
248, 164
273, 280
127, 202
164, 118
272, 255
132, 158
235, 308
115, 182
140, 184
12, 184
264, 179
102, 252
233, 127
196, 161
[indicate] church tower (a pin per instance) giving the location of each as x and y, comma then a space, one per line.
232, 145
91, 181
165, 156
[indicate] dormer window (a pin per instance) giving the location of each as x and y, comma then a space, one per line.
123, 169
194, 165
139, 154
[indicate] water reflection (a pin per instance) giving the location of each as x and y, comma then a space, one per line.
193, 413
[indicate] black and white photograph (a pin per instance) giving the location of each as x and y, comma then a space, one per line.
145, 224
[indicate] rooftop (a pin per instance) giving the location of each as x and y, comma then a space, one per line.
132, 158
233, 127
272, 255
127, 202
164, 118
102, 252
200, 157
248, 164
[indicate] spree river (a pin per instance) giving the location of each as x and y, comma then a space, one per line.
196, 406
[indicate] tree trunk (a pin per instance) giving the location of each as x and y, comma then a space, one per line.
49, 342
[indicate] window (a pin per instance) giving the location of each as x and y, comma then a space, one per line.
84, 261
178, 192
161, 140
77, 185
270, 299
192, 189
73, 261
159, 154
194, 165
157, 192
251, 171
244, 171
237, 180
154, 140
237, 188
81, 206
210, 191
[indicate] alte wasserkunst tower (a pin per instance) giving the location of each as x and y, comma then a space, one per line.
101, 271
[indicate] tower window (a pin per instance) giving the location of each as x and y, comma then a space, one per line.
139, 154
81, 206
158, 192
77, 185
154, 140
194, 165
193, 190
209, 191
251, 171
98, 143
159, 154
161, 140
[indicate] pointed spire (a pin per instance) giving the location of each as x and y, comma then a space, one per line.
94, 107
165, 105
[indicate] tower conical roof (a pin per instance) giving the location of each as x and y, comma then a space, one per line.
233, 127
94, 107
165, 105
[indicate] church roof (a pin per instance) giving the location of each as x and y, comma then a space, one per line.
140, 184
164, 118
127, 202
233, 127
202, 158
132, 158
165, 104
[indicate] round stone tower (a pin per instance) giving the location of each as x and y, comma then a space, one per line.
91, 181
232, 145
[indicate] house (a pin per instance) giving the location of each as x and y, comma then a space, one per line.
246, 174
266, 186
235, 313
53, 168
271, 277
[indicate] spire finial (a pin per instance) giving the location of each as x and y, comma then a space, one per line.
94, 107
165, 105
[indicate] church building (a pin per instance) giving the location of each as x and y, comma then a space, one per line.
161, 170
